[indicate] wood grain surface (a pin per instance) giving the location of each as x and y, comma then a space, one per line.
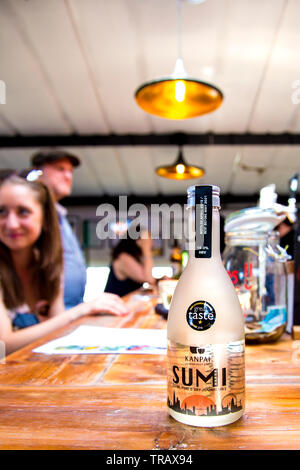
116, 402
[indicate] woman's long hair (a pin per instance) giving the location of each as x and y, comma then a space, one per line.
47, 252
127, 245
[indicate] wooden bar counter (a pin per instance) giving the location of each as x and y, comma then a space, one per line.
118, 402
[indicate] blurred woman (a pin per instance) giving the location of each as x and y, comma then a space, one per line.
131, 265
286, 231
31, 284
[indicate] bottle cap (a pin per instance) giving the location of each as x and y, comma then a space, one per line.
215, 195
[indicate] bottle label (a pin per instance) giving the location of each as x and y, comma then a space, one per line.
206, 380
200, 315
203, 221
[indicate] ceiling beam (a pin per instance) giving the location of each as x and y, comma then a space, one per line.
226, 199
177, 138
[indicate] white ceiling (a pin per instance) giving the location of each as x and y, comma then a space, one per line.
72, 67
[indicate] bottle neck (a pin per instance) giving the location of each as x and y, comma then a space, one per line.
215, 236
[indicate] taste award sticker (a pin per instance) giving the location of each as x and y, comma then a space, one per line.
200, 315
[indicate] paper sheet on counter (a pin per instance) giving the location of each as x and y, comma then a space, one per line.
99, 340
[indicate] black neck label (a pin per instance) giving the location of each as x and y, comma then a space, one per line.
203, 221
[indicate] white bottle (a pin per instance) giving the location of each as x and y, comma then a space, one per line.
206, 370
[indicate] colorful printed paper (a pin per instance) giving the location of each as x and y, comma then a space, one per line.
99, 340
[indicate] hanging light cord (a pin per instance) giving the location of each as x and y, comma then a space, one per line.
179, 24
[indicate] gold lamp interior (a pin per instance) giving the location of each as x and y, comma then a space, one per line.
178, 98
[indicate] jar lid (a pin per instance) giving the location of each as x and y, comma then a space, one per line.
253, 218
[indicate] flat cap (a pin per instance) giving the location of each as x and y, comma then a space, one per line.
49, 156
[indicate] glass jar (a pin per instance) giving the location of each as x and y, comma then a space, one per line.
258, 272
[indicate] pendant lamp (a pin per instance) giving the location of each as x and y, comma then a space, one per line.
178, 96
180, 170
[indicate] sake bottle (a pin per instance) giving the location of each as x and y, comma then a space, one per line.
206, 371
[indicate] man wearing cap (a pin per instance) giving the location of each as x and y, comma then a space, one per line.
57, 167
